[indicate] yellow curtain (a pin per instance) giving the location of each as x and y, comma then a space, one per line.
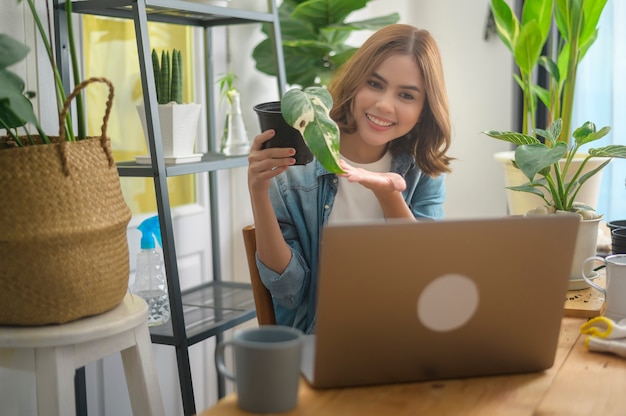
110, 51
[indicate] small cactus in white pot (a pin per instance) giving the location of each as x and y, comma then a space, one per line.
168, 76
178, 120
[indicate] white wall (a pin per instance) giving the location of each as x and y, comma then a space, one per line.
479, 86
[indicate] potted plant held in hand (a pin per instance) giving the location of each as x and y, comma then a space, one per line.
64, 218
302, 120
178, 121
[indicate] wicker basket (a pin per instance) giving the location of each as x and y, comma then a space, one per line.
63, 244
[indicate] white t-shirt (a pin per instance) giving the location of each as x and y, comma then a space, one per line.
353, 201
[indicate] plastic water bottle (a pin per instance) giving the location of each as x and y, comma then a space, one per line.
150, 279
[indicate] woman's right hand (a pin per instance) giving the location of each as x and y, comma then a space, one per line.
264, 164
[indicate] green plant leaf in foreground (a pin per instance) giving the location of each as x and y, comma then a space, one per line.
533, 158
613, 150
512, 137
308, 112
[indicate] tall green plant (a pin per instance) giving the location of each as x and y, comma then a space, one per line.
525, 39
576, 21
168, 76
314, 35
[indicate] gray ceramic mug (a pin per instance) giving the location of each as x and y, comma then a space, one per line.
267, 367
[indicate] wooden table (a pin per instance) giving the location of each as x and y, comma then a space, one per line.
579, 383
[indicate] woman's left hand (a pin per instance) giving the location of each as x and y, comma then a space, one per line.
377, 182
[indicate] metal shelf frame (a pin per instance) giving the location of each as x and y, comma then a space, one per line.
207, 310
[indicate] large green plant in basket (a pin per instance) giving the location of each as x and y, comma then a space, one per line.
16, 111
63, 228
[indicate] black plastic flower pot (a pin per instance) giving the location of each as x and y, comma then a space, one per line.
616, 224
618, 241
270, 117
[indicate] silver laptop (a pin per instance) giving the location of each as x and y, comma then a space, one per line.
400, 302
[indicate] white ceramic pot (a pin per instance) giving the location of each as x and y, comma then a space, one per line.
179, 125
586, 246
519, 203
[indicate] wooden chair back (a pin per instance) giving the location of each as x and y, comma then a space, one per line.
262, 298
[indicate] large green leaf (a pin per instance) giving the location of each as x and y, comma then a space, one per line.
11, 51
512, 137
10, 84
539, 11
308, 112
371, 24
507, 24
533, 158
322, 13
314, 37
290, 28
528, 47
614, 150
16, 109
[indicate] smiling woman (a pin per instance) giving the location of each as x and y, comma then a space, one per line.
391, 107
110, 50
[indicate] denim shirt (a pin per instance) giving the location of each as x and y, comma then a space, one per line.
302, 198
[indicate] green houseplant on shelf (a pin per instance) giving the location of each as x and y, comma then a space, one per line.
547, 163
63, 228
178, 121
314, 38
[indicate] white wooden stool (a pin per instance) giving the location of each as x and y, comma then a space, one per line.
54, 352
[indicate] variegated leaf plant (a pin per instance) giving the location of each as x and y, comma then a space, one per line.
308, 112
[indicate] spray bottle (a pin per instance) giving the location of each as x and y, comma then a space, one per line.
150, 281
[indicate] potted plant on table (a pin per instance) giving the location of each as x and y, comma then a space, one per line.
551, 166
63, 225
576, 30
178, 121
